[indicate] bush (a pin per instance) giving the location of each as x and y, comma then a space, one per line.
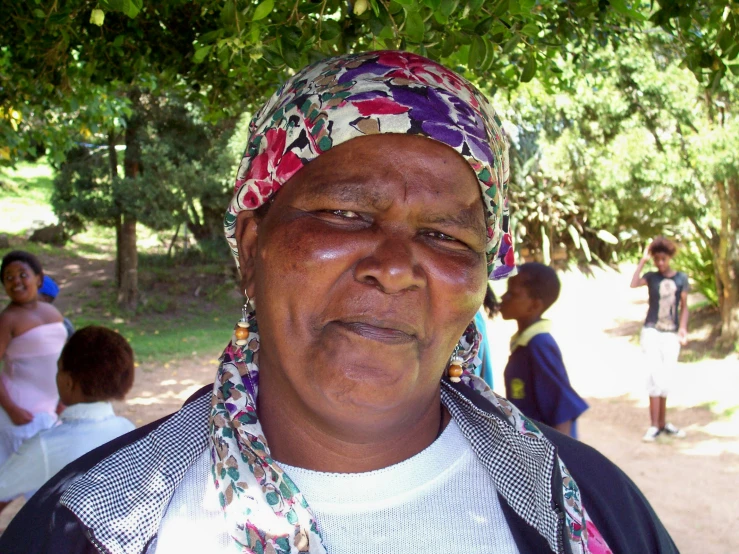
696, 259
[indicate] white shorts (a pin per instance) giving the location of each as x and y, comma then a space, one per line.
661, 350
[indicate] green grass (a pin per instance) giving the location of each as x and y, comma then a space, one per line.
25, 197
159, 340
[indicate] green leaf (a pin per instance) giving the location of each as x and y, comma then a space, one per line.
511, 44
330, 30
40, 13
133, 7
529, 70
449, 45
527, 6
201, 52
97, 17
585, 249
484, 26
530, 30
477, 53
263, 10
414, 26
607, 237
501, 8
448, 6
732, 52
574, 234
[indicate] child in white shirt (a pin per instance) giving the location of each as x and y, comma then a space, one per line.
95, 366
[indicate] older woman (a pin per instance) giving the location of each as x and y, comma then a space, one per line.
369, 212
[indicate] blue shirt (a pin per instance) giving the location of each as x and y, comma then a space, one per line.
83, 427
536, 383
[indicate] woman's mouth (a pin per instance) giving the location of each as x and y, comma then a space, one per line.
385, 332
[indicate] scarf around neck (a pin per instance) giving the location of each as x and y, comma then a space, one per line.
264, 510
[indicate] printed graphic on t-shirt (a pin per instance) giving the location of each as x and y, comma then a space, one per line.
664, 300
517, 389
666, 316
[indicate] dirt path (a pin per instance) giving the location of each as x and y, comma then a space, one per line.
693, 484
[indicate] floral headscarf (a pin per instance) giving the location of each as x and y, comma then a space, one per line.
335, 100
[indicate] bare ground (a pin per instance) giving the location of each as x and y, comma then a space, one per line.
693, 484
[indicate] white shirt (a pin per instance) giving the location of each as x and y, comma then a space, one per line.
442, 500
83, 427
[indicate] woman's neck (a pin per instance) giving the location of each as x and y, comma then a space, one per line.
303, 440
31, 305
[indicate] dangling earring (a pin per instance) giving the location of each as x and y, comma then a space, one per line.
242, 326
455, 366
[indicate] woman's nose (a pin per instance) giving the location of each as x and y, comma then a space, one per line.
391, 267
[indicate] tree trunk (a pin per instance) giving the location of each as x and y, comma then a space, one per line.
129, 262
113, 166
127, 252
727, 261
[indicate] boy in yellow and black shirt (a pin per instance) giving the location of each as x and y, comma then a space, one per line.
536, 380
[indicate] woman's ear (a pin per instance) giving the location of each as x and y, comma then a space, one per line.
246, 241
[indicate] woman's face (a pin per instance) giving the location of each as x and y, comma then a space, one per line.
366, 270
21, 283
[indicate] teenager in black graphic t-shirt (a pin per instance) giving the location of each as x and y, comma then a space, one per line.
665, 329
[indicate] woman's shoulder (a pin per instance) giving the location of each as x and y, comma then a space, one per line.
48, 313
21, 320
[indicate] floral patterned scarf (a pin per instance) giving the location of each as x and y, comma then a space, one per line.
336, 100
326, 104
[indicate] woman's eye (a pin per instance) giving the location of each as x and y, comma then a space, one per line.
448, 241
348, 214
441, 236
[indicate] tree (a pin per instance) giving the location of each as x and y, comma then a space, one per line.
635, 147
226, 55
187, 178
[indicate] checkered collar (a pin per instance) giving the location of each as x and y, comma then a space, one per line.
122, 500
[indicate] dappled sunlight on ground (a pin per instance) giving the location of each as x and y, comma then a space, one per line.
153, 396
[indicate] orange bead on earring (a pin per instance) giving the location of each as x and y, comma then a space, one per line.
241, 332
455, 368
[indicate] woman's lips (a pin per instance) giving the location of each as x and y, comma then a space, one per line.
389, 334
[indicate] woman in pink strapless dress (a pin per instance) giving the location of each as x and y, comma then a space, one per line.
32, 335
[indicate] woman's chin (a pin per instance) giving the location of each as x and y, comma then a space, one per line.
368, 389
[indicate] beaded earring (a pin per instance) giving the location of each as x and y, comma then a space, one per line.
455, 366
242, 326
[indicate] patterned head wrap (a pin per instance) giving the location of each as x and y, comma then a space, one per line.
336, 100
